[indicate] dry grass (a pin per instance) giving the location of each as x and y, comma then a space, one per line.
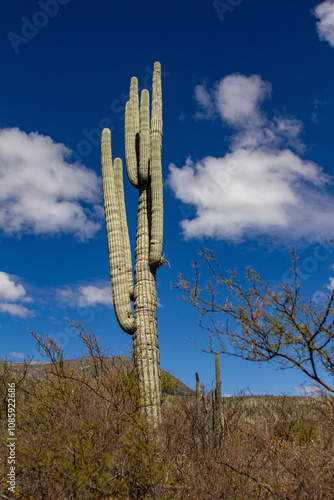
80, 436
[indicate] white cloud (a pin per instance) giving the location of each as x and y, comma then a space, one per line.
92, 295
11, 292
261, 186
87, 295
324, 12
40, 192
19, 355
15, 310
204, 100
305, 390
238, 99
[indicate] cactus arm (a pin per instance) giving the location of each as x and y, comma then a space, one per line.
156, 195
130, 144
131, 133
156, 189
118, 273
156, 119
144, 133
119, 189
134, 98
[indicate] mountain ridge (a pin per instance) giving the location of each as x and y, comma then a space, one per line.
40, 370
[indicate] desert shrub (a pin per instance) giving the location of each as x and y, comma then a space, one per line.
168, 383
80, 436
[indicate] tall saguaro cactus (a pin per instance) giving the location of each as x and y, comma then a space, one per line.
143, 136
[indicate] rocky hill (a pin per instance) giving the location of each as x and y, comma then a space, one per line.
39, 370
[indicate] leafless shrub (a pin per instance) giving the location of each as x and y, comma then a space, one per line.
80, 436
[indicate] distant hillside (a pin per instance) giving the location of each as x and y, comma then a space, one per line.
39, 370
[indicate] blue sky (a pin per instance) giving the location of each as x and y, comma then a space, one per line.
248, 160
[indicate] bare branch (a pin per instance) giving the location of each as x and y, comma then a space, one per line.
267, 323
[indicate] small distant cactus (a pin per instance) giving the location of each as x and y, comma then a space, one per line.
198, 390
218, 394
143, 137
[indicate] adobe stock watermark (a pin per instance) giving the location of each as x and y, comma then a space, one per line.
308, 265
222, 8
83, 315
92, 138
86, 315
31, 27
11, 439
118, 105
283, 115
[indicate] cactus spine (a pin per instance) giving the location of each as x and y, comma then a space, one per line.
143, 164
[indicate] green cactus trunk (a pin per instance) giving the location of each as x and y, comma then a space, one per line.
143, 163
145, 336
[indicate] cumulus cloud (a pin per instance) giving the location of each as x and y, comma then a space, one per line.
204, 101
40, 192
18, 355
262, 186
90, 295
10, 293
9, 290
324, 12
305, 390
238, 99
15, 310
87, 295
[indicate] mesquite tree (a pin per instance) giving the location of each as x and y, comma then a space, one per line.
261, 322
143, 136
